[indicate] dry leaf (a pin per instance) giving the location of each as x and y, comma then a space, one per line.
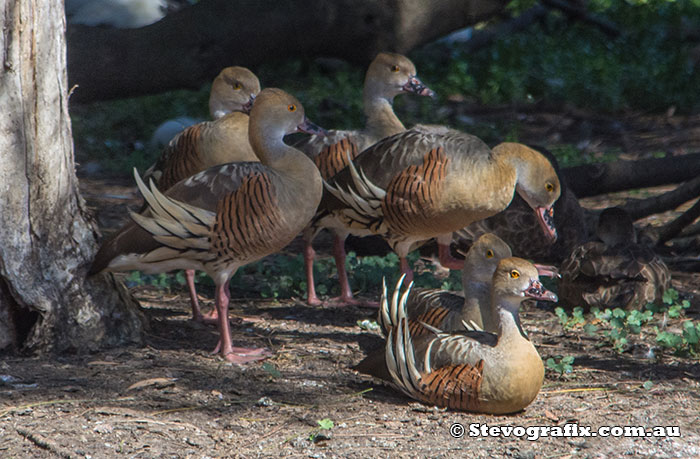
156, 382
551, 416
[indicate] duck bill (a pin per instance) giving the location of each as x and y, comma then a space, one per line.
545, 215
547, 270
537, 291
310, 128
248, 106
416, 86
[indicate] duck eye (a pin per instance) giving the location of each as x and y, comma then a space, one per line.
395, 68
237, 86
292, 107
549, 187
514, 274
489, 253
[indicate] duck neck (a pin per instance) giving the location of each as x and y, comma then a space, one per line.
509, 328
507, 158
518, 159
476, 297
269, 146
380, 119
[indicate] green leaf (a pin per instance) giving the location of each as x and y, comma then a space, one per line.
691, 333
648, 385
180, 278
325, 424
670, 340
670, 296
617, 323
271, 370
590, 329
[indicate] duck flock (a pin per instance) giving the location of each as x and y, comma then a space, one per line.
230, 191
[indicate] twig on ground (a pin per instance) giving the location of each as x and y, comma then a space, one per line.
44, 443
579, 389
12, 409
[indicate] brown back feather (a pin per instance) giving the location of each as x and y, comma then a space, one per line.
454, 386
413, 191
181, 158
434, 317
247, 220
334, 158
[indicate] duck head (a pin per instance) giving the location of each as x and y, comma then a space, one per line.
391, 74
516, 279
537, 183
233, 90
483, 257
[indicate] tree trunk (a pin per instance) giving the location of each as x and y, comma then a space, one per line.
46, 241
188, 48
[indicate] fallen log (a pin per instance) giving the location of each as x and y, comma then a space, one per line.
189, 47
594, 179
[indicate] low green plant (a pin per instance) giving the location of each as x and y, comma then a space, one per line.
621, 324
323, 424
686, 343
570, 322
563, 366
271, 370
160, 280
617, 325
649, 66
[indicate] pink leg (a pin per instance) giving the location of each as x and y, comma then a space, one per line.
446, 258
406, 269
232, 354
340, 256
197, 315
346, 297
309, 255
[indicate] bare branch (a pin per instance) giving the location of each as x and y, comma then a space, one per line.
640, 208
594, 179
670, 230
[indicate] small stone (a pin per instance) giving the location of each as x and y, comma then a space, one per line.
264, 401
103, 428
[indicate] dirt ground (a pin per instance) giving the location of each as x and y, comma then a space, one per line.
172, 399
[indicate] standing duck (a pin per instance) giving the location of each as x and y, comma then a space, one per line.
429, 181
478, 371
614, 272
226, 216
388, 75
210, 143
518, 226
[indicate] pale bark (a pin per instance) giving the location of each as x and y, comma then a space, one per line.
46, 241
